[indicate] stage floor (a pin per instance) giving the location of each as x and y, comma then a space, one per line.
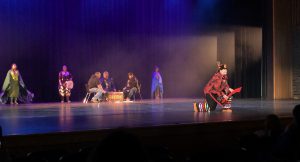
57, 117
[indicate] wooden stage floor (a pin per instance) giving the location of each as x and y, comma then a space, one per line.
44, 118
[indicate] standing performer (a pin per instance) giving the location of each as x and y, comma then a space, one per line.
131, 87
217, 88
157, 85
14, 88
65, 84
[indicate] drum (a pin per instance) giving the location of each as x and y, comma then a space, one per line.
115, 96
70, 84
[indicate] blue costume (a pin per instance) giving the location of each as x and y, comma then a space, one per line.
157, 85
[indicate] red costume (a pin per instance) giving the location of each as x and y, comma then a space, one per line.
217, 85
216, 88
216, 91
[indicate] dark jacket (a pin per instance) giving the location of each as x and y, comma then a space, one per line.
107, 84
131, 83
93, 82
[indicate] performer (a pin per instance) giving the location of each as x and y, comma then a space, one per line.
107, 83
217, 88
157, 85
65, 84
14, 88
94, 86
131, 87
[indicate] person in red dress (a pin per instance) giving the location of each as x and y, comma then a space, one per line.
217, 88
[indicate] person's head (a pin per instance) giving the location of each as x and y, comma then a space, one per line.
156, 69
296, 113
65, 68
14, 66
105, 74
272, 122
98, 75
223, 69
130, 75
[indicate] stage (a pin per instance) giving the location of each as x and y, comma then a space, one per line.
42, 118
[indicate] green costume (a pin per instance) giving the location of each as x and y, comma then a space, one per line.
14, 87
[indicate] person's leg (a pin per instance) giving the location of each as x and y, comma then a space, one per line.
132, 92
211, 102
93, 90
61, 92
152, 94
104, 96
125, 93
68, 99
160, 92
62, 98
16, 101
11, 100
98, 94
157, 93
68, 94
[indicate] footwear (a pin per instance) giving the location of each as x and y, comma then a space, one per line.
69, 101
94, 100
16, 101
62, 101
227, 106
11, 101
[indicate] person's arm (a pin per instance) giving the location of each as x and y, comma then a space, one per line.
113, 85
102, 83
71, 76
157, 76
137, 84
21, 82
6, 81
212, 86
59, 79
101, 88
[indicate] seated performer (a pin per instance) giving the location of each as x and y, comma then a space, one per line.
157, 85
14, 88
217, 88
131, 88
64, 88
107, 83
94, 86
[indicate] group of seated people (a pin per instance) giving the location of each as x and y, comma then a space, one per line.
102, 85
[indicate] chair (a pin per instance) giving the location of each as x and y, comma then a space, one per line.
87, 97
